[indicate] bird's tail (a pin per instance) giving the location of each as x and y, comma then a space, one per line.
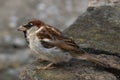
93, 59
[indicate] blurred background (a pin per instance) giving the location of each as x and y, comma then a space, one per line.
14, 53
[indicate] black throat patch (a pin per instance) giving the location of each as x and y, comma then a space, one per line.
25, 35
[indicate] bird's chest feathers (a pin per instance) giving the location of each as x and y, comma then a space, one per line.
36, 45
51, 53
34, 42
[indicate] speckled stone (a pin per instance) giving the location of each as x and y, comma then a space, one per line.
74, 70
98, 29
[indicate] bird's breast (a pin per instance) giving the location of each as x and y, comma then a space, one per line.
35, 44
53, 54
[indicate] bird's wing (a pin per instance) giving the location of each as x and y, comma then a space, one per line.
67, 44
52, 37
49, 33
53, 32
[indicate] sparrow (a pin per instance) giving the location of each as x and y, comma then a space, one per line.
51, 45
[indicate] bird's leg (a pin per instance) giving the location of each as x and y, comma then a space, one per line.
49, 66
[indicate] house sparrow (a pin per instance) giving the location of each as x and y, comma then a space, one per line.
51, 45
94, 3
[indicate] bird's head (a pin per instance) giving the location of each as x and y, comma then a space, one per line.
31, 24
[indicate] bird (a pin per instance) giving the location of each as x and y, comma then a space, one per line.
52, 45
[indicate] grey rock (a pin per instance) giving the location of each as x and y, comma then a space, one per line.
73, 70
98, 28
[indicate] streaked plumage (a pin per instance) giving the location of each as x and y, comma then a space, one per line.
51, 45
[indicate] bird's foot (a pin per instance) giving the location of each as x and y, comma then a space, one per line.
48, 67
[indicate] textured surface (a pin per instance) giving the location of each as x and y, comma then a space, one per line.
98, 29
74, 70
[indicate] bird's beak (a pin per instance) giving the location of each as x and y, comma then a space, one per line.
22, 28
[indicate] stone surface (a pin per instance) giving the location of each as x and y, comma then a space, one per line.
74, 70
98, 28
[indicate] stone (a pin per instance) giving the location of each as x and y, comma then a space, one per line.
98, 28
73, 70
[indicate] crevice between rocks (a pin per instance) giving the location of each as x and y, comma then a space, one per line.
115, 72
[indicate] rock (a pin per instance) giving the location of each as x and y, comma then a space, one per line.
74, 70
94, 29
98, 28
